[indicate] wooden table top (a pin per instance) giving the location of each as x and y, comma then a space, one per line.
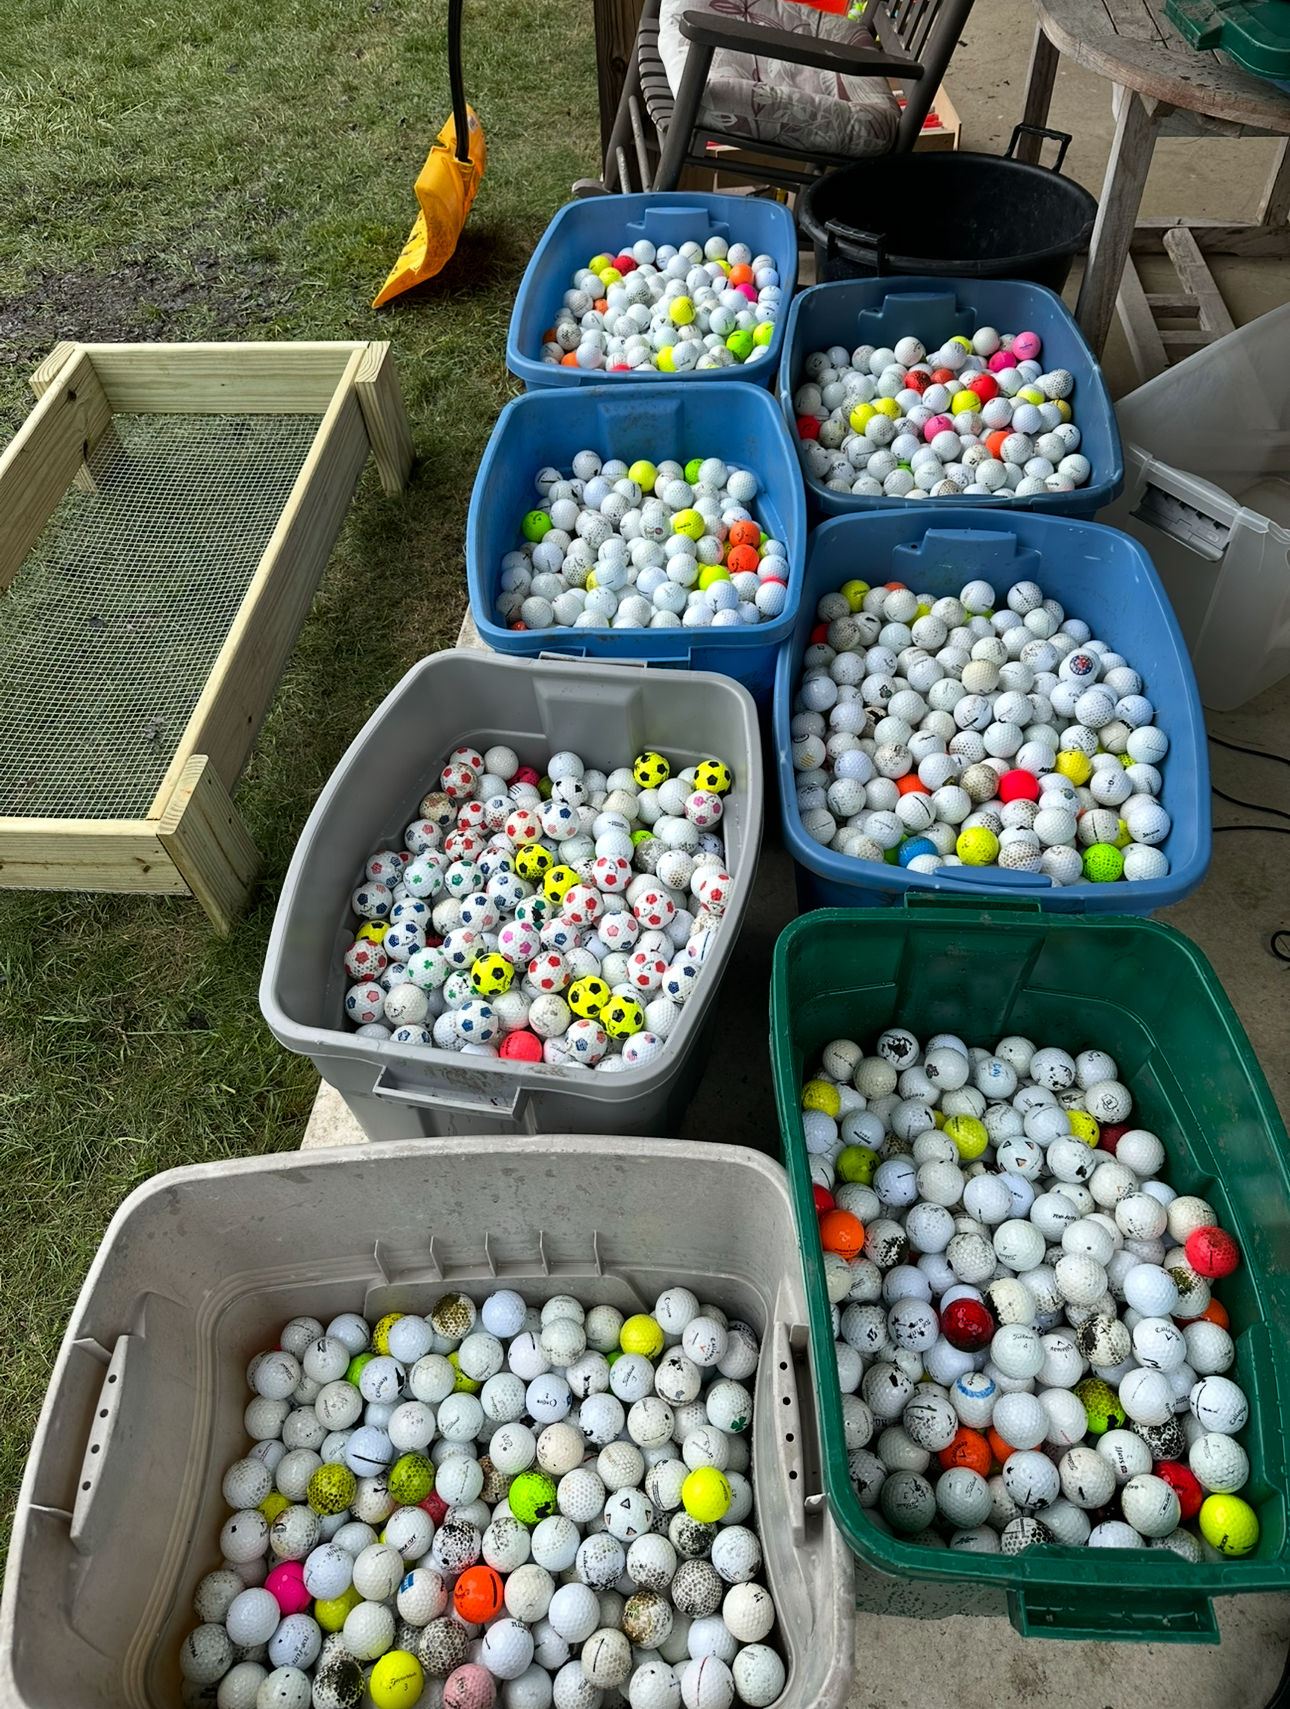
1134, 44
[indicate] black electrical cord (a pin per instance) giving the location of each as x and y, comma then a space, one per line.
1277, 830
1238, 748
1254, 806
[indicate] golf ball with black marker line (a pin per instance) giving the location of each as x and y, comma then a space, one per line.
978, 417
1017, 1362
935, 732
633, 545
559, 919
461, 1569
671, 309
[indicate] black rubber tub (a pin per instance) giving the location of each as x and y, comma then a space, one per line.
965, 216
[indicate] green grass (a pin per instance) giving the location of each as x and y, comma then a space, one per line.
233, 170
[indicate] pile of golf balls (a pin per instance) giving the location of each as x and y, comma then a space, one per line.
934, 732
978, 416
643, 546
668, 310
1026, 1341
562, 919
493, 1503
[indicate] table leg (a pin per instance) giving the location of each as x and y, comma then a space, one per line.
1126, 174
1039, 93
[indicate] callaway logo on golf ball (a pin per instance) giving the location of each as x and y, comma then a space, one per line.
978, 416
525, 1477
1008, 1272
559, 918
972, 731
671, 309
643, 545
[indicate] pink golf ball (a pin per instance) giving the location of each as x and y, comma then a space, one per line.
938, 424
286, 1584
1003, 359
469, 1687
749, 291
1026, 346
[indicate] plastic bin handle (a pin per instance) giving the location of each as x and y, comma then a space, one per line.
1162, 1616
789, 1450
993, 904
1061, 138
867, 248
507, 1103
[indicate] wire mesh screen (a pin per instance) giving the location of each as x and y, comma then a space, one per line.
110, 628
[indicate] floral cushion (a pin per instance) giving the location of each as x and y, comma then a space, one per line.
769, 100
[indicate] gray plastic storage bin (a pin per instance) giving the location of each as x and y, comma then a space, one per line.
1207, 492
605, 712
120, 1508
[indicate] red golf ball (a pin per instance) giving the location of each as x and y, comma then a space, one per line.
823, 1200
1111, 1135
1185, 1485
968, 1325
1019, 785
1212, 1252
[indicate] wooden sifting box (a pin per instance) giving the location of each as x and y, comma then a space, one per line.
166, 514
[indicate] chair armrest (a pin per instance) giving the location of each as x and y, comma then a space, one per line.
815, 51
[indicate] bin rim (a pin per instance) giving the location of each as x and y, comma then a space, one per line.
541, 376
668, 648
1052, 1565
302, 1039
1082, 503
827, 864
815, 229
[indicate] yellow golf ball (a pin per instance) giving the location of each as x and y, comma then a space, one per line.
1074, 765
665, 363
463, 1383
861, 416
1227, 1524
598, 263
853, 593
1064, 409
888, 407
644, 474
969, 1136
1032, 395
1122, 837
1101, 1406
821, 1095
610, 276
857, 1163
332, 1612
690, 523
397, 1680
1084, 1127
706, 1495
274, 1502
959, 339
964, 400
372, 931
709, 573
641, 1334
977, 847
411, 1479
331, 1489
381, 1334
763, 332
681, 313
1103, 864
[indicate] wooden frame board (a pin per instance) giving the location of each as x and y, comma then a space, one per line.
191, 841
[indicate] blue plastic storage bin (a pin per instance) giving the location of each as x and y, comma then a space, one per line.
583, 229
672, 418
1099, 575
879, 311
